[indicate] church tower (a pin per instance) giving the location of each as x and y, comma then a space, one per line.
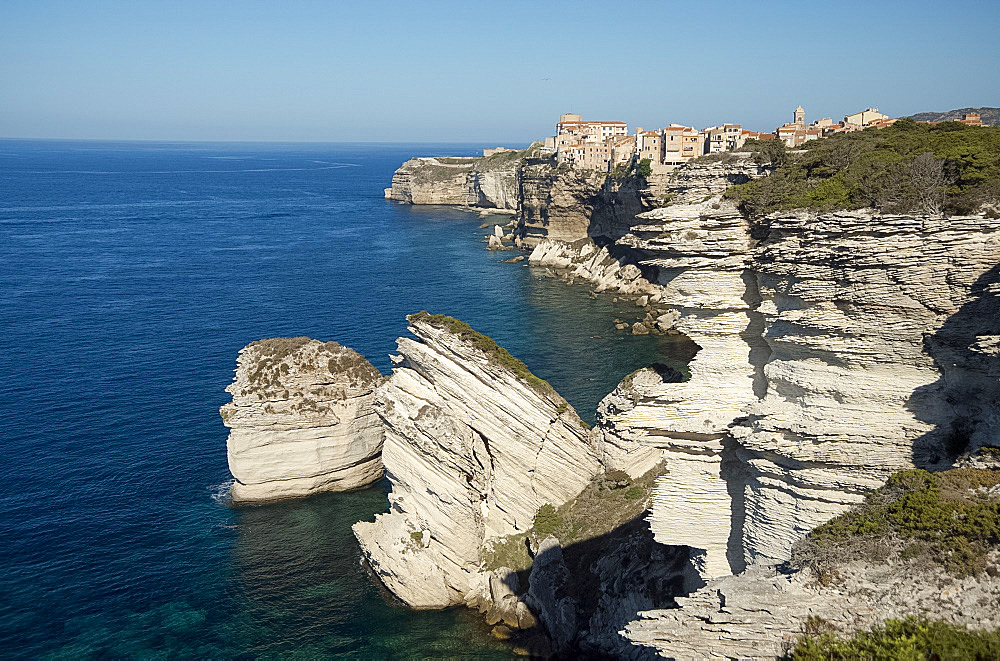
800, 115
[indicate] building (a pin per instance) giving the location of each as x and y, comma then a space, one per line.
796, 132
971, 119
623, 149
571, 124
864, 118
728, 137
649, 144
795, 135
755, 135
681, 144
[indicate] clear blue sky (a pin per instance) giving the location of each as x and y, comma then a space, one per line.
476, 71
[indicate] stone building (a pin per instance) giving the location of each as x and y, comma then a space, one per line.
864, 118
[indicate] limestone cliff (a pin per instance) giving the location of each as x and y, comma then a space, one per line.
835, 349
758, 614
301, 420
488, 182
475, 445
559, 202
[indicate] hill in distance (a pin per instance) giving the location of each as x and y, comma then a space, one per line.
990, 116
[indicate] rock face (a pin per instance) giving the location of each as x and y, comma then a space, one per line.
561, 203
475, 444
706, 179
489, 182
835, 349
756, 614
301, 420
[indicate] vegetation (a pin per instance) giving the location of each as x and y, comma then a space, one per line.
908, 167
909, 639
767, 152
988, 115
641, 169
494, 352
608, 502
546, 520
951, 518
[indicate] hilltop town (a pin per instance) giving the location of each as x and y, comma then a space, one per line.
603, 145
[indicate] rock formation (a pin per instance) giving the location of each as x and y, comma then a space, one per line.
559, 202
301, 420
475, 444
759, 613
814, 380
487, 182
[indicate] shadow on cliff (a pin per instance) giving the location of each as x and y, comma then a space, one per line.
583, 593
964, 403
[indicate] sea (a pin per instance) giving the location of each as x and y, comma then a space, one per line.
131, 274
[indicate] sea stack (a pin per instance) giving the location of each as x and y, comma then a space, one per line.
475, 445
301, 420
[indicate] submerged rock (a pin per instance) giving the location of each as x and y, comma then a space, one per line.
301, 420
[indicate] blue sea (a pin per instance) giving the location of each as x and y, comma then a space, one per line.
130, 276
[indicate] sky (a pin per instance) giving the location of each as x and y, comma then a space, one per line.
499, 72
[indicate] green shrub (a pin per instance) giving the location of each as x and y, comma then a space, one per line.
908, 167
645, 168
938, 515
911, 638
547, 520
634, 493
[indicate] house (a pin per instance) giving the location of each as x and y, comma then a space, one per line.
681, 144
572, 124
865, 118
728, 137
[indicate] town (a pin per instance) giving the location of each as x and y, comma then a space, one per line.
598, 145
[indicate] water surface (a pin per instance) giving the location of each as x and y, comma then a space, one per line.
130, 276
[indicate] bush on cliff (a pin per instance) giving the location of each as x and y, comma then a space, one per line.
951, 518
911, 638
905, 168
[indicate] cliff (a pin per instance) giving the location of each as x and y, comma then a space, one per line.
301, 420
562, 203
475, 445
487, 182
835, 349
880, 560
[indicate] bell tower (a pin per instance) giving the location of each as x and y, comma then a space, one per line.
800, 115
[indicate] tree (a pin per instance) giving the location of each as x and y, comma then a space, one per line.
927, 177
645, 168
770, 151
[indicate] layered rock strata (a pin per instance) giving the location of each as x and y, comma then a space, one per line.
301, 420
823, 340
475, 445
488, 182
559, 202
760, 613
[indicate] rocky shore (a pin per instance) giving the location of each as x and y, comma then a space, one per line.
834, 350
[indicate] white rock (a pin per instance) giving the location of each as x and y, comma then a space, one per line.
472, 452
301, 420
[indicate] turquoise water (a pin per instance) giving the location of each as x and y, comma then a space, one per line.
131, 275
